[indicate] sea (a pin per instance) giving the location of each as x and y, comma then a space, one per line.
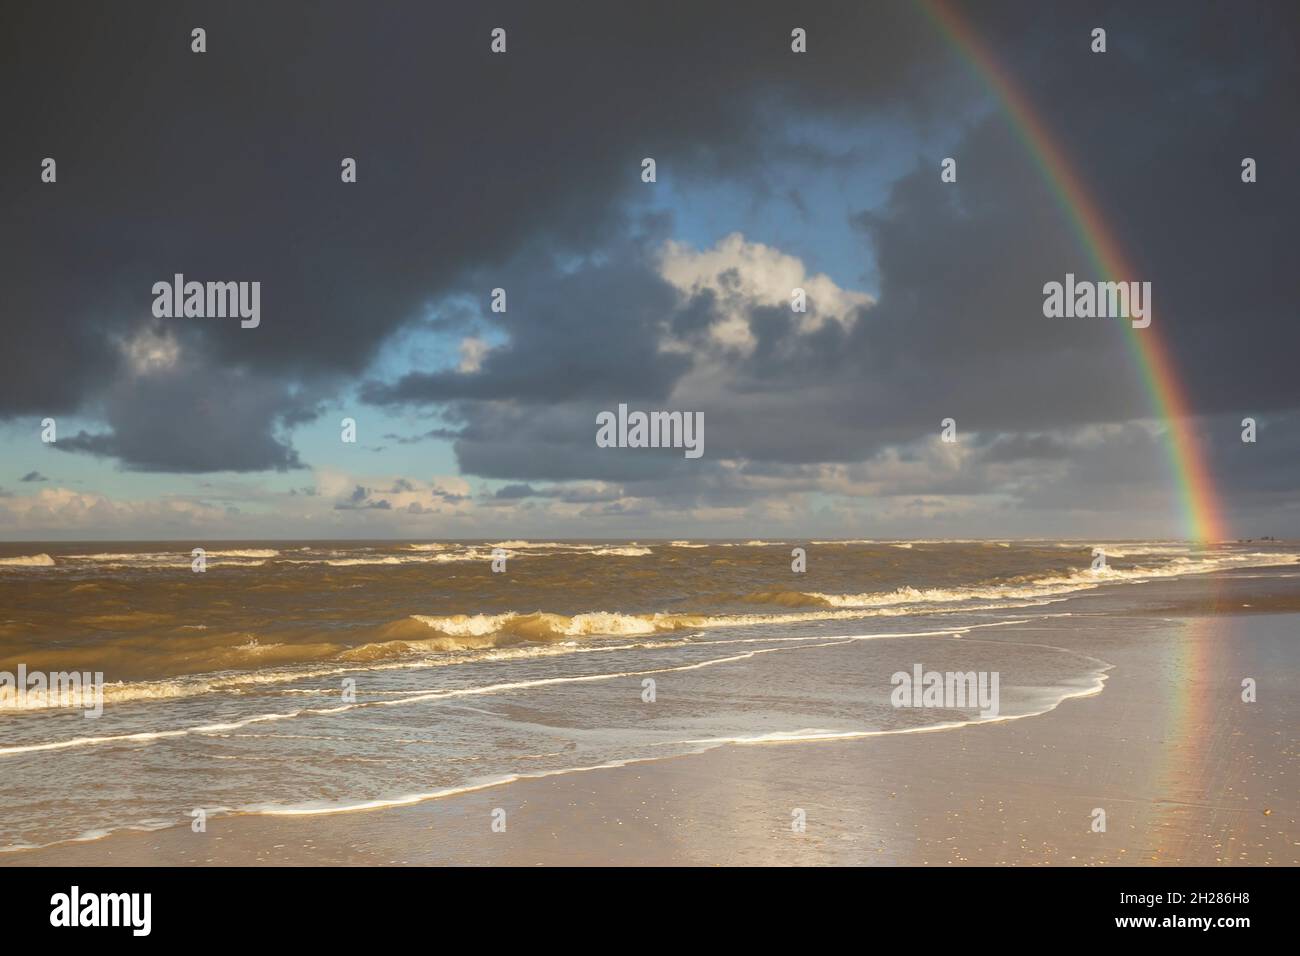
325, 677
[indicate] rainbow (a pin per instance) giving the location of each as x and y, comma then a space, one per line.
1197, 498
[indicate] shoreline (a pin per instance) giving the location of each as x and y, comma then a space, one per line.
1185, 786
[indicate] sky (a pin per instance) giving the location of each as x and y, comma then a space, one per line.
522, 170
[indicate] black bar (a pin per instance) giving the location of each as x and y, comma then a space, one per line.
968, 906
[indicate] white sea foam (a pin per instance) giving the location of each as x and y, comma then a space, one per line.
530, 544
444, 554
595, 622
28, 561
1089, 686
1133, 551
439, 557
246, 557
1056, 584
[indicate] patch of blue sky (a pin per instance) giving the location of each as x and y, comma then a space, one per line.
812, 183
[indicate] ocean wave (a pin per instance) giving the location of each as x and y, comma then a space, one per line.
543, 626
122, 556
1027, 587
425, 640
788, 598
421, 557
440, 554
245, 557
28, 561
631, 549
483, 630
352, 562
517, 543
1135, 551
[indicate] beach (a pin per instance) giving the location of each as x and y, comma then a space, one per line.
1156, 736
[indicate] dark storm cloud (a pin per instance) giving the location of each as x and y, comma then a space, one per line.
416, 439
360, 500
592, 332
225, 165
33, 476
1256, 480
514, 492
551, 443
1008, 448
567, 494
186, 418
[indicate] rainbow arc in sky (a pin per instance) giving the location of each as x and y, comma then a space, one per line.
1198, 502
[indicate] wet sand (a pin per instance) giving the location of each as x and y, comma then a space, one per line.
1186, 772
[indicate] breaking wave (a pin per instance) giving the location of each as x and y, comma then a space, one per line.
1023, 588
28, 561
